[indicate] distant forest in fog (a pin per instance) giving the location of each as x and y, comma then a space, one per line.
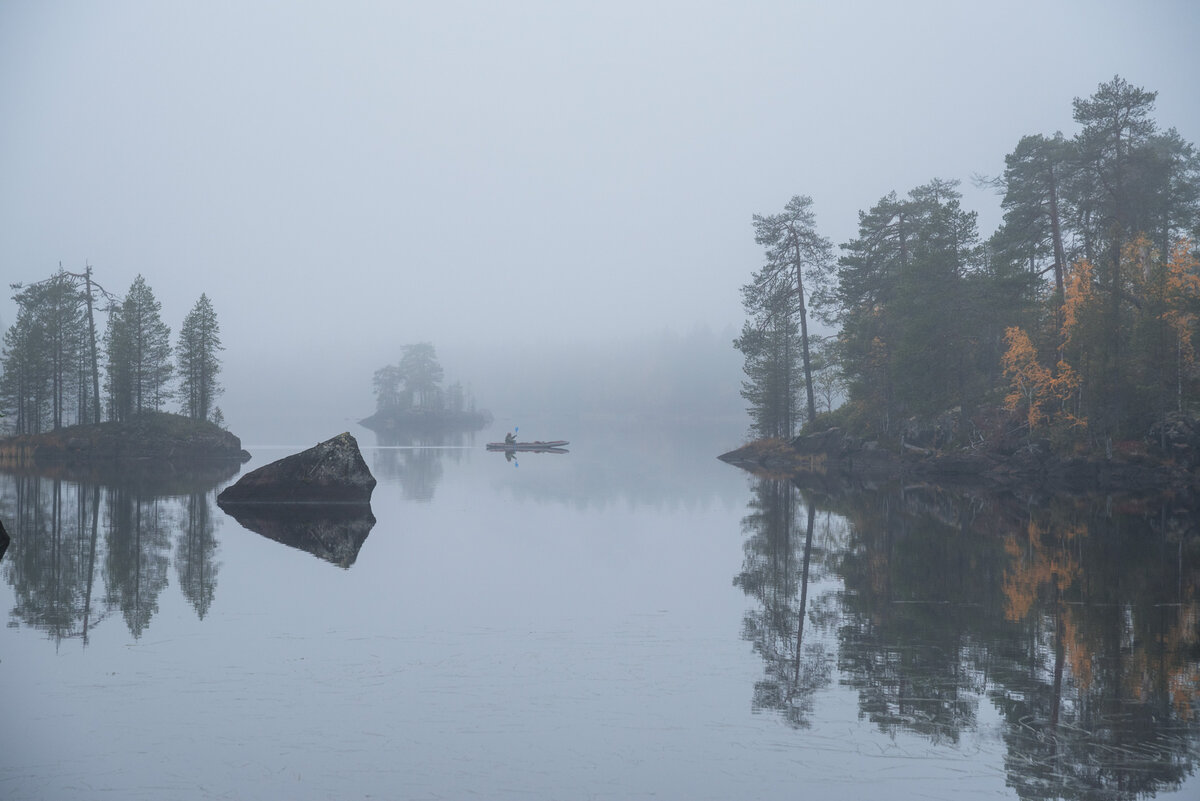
662, 377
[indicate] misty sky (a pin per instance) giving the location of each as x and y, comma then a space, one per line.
347, 175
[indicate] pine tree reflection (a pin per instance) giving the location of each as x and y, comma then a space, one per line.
907, 641
195, 553
776, 574
135, 565
58, 555
50, 559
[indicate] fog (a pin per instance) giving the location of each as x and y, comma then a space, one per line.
532, 187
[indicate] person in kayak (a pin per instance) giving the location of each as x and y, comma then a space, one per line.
510, 439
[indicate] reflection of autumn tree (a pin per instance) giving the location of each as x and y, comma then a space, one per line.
195, 553
1099, 703
776, 573
1077, 620
135, 567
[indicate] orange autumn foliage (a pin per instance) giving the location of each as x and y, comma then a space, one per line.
1045, 394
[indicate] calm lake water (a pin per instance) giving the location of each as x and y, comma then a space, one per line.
630, 620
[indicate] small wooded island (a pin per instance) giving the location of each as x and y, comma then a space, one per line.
70, 396
1058, 353
410, 398
155, 436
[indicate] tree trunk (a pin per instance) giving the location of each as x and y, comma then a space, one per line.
808, 384
1060, 258
92, 346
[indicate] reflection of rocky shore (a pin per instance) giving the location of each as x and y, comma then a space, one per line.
334, 533
144, 476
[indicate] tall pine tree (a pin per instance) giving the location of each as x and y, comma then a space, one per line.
199, 343
139, 354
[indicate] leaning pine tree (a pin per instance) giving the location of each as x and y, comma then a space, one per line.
797, 265
199, 342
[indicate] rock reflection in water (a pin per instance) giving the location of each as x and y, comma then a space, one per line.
1078, 620
333, 532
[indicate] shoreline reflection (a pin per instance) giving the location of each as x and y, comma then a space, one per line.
84, 551
1077, 619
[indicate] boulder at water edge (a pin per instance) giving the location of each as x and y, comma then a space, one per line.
331, 472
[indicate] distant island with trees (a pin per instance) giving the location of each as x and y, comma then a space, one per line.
409, 397
1063, 341
68, 394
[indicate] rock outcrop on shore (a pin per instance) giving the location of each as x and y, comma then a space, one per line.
331, 472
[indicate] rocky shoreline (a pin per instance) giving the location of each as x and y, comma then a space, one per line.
837, 461
151, 436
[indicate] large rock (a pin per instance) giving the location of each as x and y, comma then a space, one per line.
331, 472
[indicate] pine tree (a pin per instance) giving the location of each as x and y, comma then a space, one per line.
770, 346
199, 343
139, 354
1034, 231
422, 375
798, 263
43, 384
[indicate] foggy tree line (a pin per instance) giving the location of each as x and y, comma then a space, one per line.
59, 371
1078, 313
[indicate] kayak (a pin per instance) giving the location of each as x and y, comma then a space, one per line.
527, 446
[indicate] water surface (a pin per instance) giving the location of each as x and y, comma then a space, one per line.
633, 619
